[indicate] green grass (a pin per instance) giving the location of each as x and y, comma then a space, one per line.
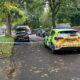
6, 39
6, 49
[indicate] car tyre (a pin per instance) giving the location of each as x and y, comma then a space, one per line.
16, 39
28, 40
52, 50
78, 50
45, 45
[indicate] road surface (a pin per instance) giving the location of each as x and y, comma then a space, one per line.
35, 62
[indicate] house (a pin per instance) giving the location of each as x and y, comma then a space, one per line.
2, 30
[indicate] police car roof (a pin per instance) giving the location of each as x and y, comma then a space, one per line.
65, 29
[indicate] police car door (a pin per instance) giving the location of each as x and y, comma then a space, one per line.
51, 37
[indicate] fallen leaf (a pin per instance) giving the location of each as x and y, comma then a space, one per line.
33, 67
60, 59
40, 60
38, 71
30, 70
55, 61
44, 75
62, 63
54, 69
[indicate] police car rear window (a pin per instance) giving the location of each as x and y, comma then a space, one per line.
68, 33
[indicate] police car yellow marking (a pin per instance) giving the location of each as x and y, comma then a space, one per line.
71, 44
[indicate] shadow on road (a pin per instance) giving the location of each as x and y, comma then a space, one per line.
64, 52
67, 52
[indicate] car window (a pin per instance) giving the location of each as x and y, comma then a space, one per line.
20, 29
68, 33
47, 32
52, 33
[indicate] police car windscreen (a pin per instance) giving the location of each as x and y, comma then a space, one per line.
68, 33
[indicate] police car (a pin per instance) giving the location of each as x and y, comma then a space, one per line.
62, 39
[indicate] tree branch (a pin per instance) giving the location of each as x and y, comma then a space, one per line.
50, 4
57, 7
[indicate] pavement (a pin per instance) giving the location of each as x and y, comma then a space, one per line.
8, 67
4, 65
32, 61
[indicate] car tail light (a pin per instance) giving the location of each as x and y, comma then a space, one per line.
26, 30
58, 38
79, 37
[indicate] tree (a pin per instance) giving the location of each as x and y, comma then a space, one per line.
34, 10
9, 10
45, 18
63, 10
54, 6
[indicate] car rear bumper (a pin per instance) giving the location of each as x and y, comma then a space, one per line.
22, 38
68, 48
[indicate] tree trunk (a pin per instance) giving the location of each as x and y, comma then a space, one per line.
8, 25
53, 20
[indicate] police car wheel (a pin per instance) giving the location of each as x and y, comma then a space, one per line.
45, 45
52, 49
78, 50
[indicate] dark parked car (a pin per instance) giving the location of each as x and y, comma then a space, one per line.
22, 34
40, 33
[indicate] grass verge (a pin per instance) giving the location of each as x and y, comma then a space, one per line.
6, 39
6, 49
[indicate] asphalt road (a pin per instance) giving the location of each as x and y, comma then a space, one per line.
35, 62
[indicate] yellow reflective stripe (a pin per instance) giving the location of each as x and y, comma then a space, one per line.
69, 44
62, 43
